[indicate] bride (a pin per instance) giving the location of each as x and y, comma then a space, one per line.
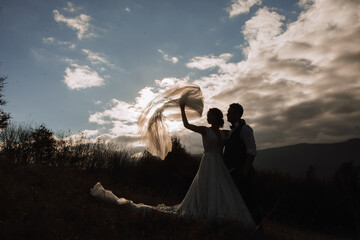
212, 194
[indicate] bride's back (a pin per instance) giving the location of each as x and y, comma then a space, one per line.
213, 142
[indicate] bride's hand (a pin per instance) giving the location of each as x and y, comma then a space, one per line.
182, 105
183, 99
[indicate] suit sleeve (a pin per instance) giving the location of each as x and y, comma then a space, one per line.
247, 135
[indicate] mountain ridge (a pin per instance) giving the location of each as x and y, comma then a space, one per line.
295, 159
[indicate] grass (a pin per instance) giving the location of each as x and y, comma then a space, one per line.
45, 195
53, 203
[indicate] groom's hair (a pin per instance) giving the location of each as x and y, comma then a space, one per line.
238, 108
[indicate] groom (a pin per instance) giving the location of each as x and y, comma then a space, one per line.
239, 153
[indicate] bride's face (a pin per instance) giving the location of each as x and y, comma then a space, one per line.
211, 118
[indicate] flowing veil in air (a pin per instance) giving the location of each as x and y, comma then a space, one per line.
155, 134
151, 123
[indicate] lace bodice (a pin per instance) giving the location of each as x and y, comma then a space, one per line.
212, 142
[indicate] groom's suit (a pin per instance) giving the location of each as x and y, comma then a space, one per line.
240, 143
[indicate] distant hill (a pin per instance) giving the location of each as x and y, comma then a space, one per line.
296, 159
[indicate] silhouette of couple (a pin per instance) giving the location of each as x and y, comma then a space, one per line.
222, 187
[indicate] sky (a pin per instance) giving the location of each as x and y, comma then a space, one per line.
90, 67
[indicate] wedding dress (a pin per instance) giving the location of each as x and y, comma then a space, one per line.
212, 194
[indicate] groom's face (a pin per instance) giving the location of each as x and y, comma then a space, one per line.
232, 115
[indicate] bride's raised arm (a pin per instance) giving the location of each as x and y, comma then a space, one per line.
198, 129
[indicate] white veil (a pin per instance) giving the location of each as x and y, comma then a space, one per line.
151, 123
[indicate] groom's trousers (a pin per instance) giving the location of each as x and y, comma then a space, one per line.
245, 185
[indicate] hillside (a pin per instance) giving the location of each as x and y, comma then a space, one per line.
296, 159
46, 184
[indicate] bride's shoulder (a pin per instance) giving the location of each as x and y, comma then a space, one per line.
206, 129
203, 130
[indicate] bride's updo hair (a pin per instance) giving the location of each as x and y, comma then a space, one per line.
218, 115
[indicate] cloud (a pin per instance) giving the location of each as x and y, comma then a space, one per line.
129, 143
52, 40
128, 140
72, 46
239, 7
206, 62
81, 77
261, 30
168, 82
38, 54
120, 111
97, 58
145, 96
305, 4
48, 40
81, 24
70, 7
90, 133
167, 58
122, 116
85, 134
298, 82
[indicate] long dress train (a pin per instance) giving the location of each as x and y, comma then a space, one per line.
212, 194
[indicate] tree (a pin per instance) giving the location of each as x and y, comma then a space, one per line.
4, 117
43, 145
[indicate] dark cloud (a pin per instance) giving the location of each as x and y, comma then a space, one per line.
304, 111
302, 46
297, 67
342, 103
349, 58
332, 118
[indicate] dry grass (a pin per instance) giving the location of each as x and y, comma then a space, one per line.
275, 230
53, 203
45, 195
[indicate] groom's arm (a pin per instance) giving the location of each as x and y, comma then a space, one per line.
248, 163
247, 135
